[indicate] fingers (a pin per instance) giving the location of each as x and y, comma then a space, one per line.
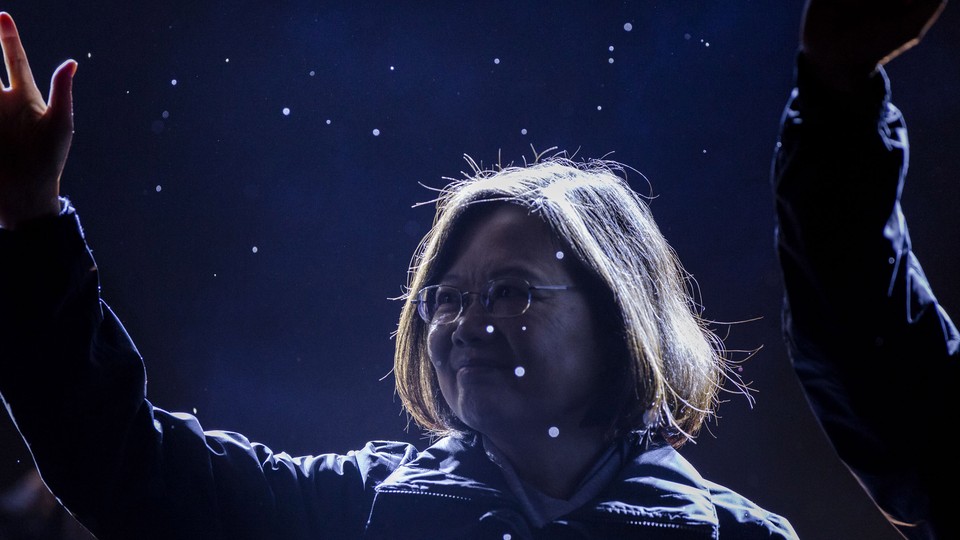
930, 16
60, 103
915, 24
15, 58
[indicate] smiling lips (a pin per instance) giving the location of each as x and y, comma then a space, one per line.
478, 363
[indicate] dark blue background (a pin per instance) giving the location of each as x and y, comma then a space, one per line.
290, 345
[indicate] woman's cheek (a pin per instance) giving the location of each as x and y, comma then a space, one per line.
438, 348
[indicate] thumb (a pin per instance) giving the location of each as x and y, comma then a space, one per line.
60, 103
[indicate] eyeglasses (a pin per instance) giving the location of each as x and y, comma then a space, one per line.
502, 298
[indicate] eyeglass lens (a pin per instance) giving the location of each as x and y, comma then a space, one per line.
508, 297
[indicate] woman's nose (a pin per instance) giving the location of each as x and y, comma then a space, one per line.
473, 324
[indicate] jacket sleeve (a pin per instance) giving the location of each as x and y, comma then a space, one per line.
74, 384
875, 353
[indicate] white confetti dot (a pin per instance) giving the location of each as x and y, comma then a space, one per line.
891, 260
523, 328
194, 410
159, 188
328, 121
391, 68
173, 82
523, 131
599, 107
214, 274
89, 55
554, 431
609, 60
489, 328
519, 371
496, 60
707, 44
227, 60
628, 27
286, 111
376, 132
312, 73
610, 48
687, 36
254, 249
559, 254
704, 150
506, 536
165, 114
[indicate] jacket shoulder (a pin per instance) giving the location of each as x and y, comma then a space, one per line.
736, 512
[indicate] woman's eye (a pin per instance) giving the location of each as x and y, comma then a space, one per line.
505, 290
444, 297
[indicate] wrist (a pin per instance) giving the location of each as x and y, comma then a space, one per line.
17, 216
842, 78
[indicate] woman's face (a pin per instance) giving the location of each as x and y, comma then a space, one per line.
535, 375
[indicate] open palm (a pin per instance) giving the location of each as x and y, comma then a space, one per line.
35, 134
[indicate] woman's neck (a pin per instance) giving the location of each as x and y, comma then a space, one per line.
554, 465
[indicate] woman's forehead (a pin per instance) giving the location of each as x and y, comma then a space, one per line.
505, 240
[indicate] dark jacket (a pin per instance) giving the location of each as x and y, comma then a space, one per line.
75, 385
875, 352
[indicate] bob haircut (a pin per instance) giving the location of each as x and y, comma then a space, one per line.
674, 366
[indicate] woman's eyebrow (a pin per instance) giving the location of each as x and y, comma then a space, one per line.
511, 270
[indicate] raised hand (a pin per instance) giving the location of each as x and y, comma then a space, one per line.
34, 135
845, 40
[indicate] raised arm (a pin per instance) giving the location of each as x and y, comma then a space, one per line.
35, 134
876, 354
75, 383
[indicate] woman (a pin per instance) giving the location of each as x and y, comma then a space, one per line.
548, 342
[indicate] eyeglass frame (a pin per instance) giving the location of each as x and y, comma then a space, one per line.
484, 298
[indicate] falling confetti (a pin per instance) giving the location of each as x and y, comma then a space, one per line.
560, 255
158, 188
496, 60
173, 82
628, 27
523, 131
254, 249
519, 371
376, 132
489, 328
286, 111
553, 432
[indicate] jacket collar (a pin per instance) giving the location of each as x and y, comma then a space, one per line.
656, 483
